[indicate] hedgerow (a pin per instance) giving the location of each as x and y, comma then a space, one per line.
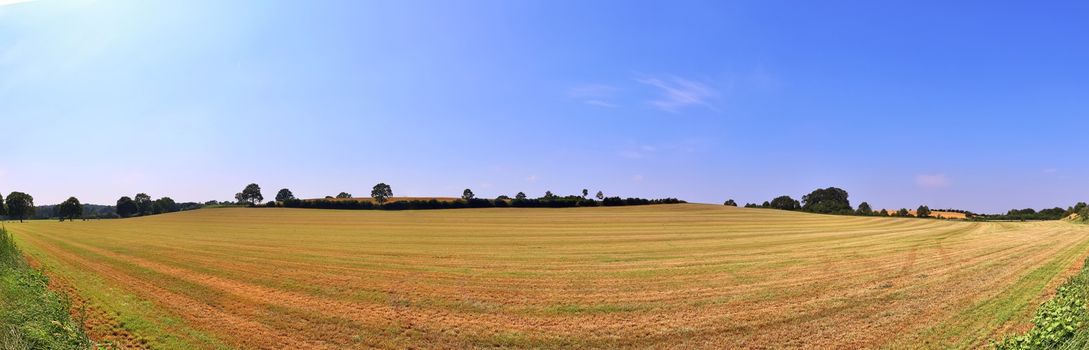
31, 315
1060, 323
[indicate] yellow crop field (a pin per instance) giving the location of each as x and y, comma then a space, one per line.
660, 276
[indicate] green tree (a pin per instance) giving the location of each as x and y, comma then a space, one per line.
585, 193
730, 203
520, 196
828, 201
20, 206
143, 203
903, 212
864, 209
784, 203
344, 195
923, 211
166, 205
1077, 208
126, 207
252, 194
381, 192
3, 208
284, 194
70, 209
549, 195
600, 195
884, 212
467, 195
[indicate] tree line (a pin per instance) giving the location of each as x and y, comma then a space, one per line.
381, 194
831, 200
834, 200
1029, 214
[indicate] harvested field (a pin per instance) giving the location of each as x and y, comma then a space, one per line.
663, 276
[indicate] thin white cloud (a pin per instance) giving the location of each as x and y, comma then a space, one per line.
531, 178
600, 103
631, 154
637, 178
12, 2
598, 95
676, 93
932, 181
591, 91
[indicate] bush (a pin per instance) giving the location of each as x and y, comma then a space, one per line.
1059, 322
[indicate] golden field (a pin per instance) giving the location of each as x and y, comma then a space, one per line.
662, 276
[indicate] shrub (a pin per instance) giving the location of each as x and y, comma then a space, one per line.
1059, 320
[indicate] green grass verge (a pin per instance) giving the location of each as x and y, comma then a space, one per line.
31, 315
1060, 323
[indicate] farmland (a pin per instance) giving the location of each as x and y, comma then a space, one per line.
686, 275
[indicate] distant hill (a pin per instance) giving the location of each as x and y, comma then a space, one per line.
936, 214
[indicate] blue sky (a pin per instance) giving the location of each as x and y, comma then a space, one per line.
975, 105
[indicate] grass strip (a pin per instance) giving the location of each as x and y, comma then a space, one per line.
31, 315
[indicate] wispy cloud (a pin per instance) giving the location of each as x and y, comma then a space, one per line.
637, 178
676, 93
531, 178
12, 2
594, 94
600, 103
932, 181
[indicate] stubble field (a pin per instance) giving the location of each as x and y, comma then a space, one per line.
686, 275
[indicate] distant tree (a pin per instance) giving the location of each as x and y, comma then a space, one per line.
467, 194
70, 209
549, 195
585, 193
1079, 207
828, 201
785, 203
864, 209
166, 205
884, 212
328, 197
239, 198
520, 196
143, 203
284, 194
3, 208
20, 206
252, 194
903, 212
922, 212
766, 204
502, 198
126, 207
344, 195
600, 195
730, 202
381, 192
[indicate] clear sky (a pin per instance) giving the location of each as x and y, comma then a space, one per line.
977, 105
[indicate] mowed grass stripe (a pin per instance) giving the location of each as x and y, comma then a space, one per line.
662, 276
